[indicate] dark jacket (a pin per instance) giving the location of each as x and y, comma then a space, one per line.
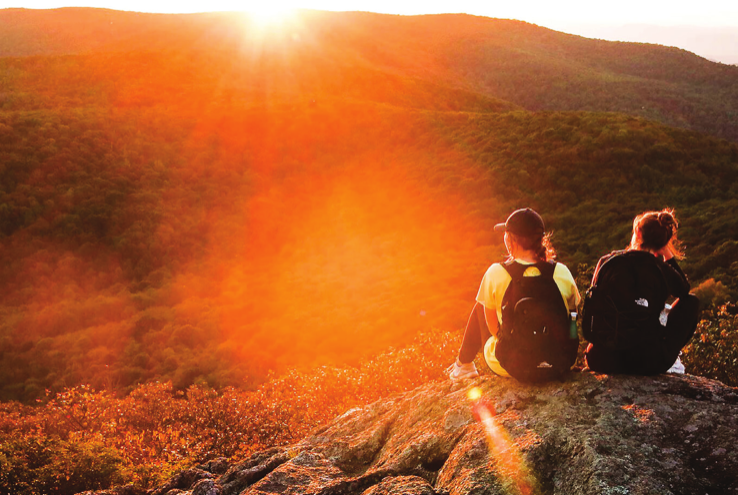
672, 282
656, 281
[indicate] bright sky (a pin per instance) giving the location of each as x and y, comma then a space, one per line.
543, 12
714, 23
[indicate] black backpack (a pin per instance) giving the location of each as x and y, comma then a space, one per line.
623, 304
535, 341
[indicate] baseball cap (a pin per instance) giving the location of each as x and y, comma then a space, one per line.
524, 222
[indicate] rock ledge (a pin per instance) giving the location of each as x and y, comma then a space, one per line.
592, 434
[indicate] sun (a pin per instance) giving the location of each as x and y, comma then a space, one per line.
270, 13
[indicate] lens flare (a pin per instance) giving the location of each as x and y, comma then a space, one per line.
506, 454
474, 393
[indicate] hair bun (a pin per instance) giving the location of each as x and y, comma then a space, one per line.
654, 229
668, 223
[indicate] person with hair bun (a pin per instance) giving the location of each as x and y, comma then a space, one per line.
652, 272
529, 253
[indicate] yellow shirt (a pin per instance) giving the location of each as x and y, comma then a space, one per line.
496, 279
493, 287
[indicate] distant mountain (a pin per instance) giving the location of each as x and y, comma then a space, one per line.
325, 53
719, 44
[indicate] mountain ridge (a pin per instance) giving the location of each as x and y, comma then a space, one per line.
529, 66
712, 42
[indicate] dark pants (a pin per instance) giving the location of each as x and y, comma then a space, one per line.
476, 335
657, 353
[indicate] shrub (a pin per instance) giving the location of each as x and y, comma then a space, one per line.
81, 440
713, 351
35, 464
712, 294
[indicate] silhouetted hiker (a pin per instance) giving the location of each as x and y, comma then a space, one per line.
522, 316
625, 316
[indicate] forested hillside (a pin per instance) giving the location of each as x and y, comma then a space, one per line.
140, 246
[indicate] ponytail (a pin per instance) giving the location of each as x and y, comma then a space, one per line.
546, 251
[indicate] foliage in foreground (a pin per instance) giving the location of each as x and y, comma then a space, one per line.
82, 440
713, 351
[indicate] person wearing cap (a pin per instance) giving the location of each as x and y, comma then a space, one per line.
527, 244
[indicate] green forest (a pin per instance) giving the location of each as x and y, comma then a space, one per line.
205, 229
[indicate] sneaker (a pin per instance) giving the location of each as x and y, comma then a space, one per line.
461, 371
677, 367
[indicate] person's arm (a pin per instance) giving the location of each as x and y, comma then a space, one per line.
486, 297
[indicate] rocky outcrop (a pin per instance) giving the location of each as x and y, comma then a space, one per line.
591, 434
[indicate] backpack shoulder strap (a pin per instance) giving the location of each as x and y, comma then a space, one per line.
603, 261
514, 269
641, 266
510, 297
547, 268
